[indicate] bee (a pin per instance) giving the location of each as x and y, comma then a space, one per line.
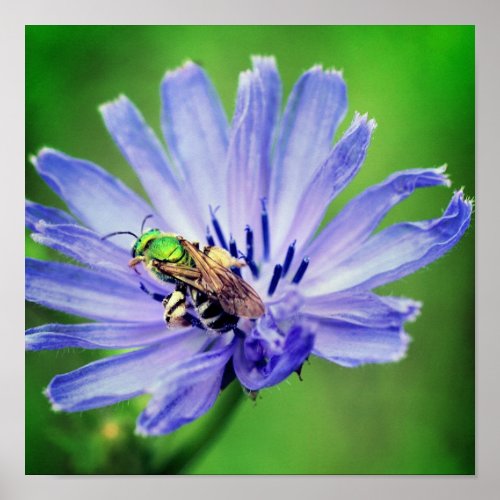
219, 296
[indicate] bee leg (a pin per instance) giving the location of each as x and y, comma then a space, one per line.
156, 296
194, 321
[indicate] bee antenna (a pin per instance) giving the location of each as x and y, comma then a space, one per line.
144, 221
119, 232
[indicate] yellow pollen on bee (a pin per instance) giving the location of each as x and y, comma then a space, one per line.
224, 258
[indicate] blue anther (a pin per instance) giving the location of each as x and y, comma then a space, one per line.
253, 267
265, 229
301, 271
233, 250
249, 232
210, 238
217, 228
275, 279
289, 257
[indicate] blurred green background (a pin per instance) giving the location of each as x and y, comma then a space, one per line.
412, 417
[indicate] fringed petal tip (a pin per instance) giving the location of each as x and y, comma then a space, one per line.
330, 73
247, 78
460, 209
187, 69
460, 205
263, 61
42, 152
120, 102
408, 308
414, 311
468, 201
445, 177
55, 407
405, 343
359, 119
426, 177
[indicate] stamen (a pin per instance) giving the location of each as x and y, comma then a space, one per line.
275, 279
265, 229
289, 257
210, 238
249, 231
301, 271
233, 250
253, 267
251, 264
217, 228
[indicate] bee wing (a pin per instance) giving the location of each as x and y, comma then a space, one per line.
238, 297
234, 294
189, 275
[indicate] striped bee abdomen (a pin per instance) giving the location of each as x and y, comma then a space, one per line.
211, 314
175, 308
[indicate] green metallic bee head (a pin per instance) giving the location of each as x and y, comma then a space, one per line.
155, 245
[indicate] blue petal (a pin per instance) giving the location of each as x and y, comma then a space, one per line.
186, 391
399, 250
91, 294
97, 335
167, 411
363, 309
271, 85
121, 377
84, 246
315, 108
265, 359
355, 223
98, 199
350, 344
195, 129
35, 213
143, 151
339, 168
246, 156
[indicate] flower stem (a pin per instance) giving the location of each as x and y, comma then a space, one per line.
199, 444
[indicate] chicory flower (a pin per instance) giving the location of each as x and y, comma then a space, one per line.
258, 187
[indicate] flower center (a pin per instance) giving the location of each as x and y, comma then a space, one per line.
280, 270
